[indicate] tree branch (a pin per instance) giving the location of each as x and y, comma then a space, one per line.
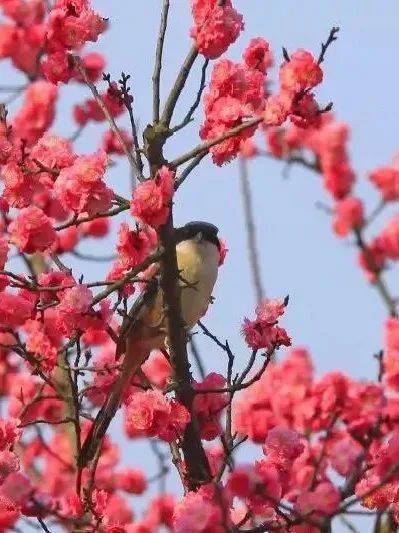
156, 77
189, 168
250, 230
324, 46
206, 146
379, 282
153, 258
79, 65
75, 221
178, 86
189, 117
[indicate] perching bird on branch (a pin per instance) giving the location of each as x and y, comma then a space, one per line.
143, 330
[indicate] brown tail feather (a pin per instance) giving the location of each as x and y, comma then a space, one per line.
135, 356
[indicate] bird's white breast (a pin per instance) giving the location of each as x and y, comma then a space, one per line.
198, 264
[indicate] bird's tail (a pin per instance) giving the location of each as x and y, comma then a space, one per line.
136, 354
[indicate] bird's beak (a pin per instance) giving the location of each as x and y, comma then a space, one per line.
199, 237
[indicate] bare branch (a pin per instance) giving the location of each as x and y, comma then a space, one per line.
250, 230
324, 46
376, 211
178, 86
43, 525
75, 221
156, 77
189, 117
162, 466
128, 101
197, 357
79, 65
379, 282
239, 385
189, 168
117, 285
206, 146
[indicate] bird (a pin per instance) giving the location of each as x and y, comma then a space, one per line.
143, 329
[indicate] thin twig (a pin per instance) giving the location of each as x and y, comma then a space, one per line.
324, 46
189, 168
189, 117
77, 133
225, 347
162, 466
128, 277
376, 211
79, 65
178, 86
379, 282
250, 230
206, 146
197, 358
43, 525
294, 159
348, 524
96, 258
156, 77
11, 88
237, 387
75, 221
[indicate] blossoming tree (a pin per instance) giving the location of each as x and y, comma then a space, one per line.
326, 448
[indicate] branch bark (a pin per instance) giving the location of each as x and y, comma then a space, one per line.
206, 146
178, 86
156, 77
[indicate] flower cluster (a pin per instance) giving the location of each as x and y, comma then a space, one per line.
299, 74
38, 40
328, 141
31, 231
151, 414
348, 215
236, 92
263, 332
152, 199
133, 246
81, 188
287, 396
386, 179
216, 26
90, 110
37, 113
209, 406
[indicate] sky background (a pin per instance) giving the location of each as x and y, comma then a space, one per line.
332, 310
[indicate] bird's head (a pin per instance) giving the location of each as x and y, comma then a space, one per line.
198, 231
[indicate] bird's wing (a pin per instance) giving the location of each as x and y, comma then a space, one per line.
140, 313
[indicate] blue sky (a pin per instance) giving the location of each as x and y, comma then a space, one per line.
332, 311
